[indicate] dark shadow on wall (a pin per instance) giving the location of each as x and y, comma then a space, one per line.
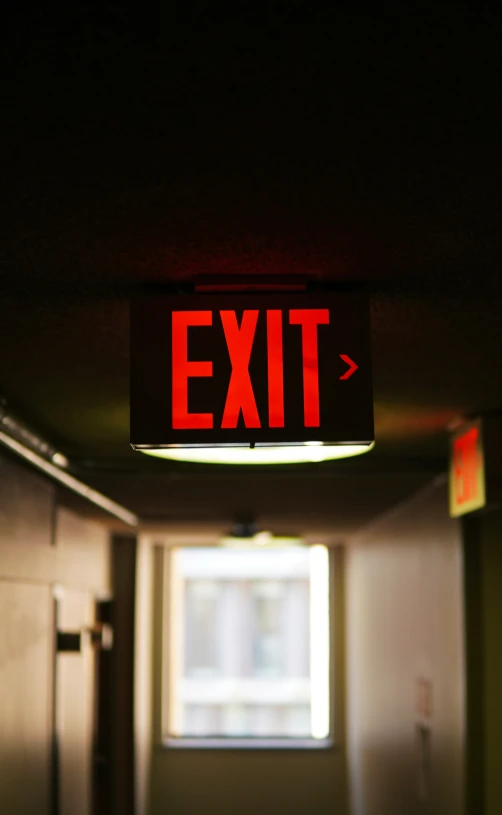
122, 673
475, 666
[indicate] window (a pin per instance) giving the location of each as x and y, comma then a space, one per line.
248, 644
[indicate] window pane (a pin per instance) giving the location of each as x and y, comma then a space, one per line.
201, 609
269, 635
249, 642
201, 720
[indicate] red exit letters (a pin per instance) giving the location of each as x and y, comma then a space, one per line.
239, 339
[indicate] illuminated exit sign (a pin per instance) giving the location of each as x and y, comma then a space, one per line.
211, 369
467, 469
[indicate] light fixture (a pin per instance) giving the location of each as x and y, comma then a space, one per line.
278, 454
255, 378
263, 540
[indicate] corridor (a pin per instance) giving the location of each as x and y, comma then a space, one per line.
250, 413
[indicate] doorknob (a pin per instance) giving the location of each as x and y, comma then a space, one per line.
101, 636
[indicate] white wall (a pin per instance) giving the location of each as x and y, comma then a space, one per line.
405, 622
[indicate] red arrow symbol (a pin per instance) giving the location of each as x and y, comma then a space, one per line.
352, 366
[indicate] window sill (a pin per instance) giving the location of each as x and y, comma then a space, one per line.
222, 743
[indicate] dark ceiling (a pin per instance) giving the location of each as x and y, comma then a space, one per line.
362, 152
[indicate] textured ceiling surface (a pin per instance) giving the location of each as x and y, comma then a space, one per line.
357, 151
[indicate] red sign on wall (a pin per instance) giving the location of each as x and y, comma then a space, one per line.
467, 477
248, 369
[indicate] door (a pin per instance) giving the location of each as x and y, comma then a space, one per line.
74, 701
26, 648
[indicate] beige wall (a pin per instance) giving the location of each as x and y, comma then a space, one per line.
247, 782
41, 546
25, 694
44, 543
405, 622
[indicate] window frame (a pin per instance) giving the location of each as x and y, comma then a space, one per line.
167, 666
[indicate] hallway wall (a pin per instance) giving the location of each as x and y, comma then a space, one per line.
40, 545
406, 654
483, 599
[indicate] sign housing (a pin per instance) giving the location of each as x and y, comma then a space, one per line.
475, 482
467, 470
250, 370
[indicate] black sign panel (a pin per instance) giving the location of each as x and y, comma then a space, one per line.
250, 369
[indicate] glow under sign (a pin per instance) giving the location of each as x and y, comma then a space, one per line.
271, 369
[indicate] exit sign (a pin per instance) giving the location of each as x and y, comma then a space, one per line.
211, 369
467, 469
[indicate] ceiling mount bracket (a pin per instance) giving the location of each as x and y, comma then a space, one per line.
206, 284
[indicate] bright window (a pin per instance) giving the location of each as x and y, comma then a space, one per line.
248, 644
